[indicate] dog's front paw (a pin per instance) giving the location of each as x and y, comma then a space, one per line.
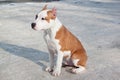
56, 73
48, 69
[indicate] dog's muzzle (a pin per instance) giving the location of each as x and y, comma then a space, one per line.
33, 25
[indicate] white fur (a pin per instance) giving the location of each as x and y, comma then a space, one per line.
75, 61
78, 70
67, 53
58, 66
43, 24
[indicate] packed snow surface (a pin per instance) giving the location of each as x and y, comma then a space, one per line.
96, 23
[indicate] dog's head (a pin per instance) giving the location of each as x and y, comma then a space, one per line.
45, 19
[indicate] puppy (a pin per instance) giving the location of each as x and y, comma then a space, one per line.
60, 41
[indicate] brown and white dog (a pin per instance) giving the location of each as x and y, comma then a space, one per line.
60, 41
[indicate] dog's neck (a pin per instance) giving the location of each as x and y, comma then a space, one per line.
55, 27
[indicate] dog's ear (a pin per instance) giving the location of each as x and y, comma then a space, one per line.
54, 12
45, 7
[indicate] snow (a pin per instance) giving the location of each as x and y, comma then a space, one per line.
23, 52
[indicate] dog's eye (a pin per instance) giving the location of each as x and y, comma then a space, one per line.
36, 16
42, 18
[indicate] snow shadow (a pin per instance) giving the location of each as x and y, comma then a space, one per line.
29, 53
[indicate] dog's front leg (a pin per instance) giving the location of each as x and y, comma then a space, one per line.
51, 59
50, 49
58, 66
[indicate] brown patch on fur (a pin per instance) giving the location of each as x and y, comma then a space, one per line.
50, 16
69, 42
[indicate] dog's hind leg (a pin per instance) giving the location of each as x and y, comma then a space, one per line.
78, 69
79, 61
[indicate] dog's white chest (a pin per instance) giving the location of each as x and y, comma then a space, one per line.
48, 39
51, 43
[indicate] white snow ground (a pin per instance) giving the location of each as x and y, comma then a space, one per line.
23, 53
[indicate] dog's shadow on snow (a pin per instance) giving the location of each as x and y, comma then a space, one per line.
32, 54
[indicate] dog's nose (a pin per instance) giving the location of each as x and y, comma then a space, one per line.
33, 25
